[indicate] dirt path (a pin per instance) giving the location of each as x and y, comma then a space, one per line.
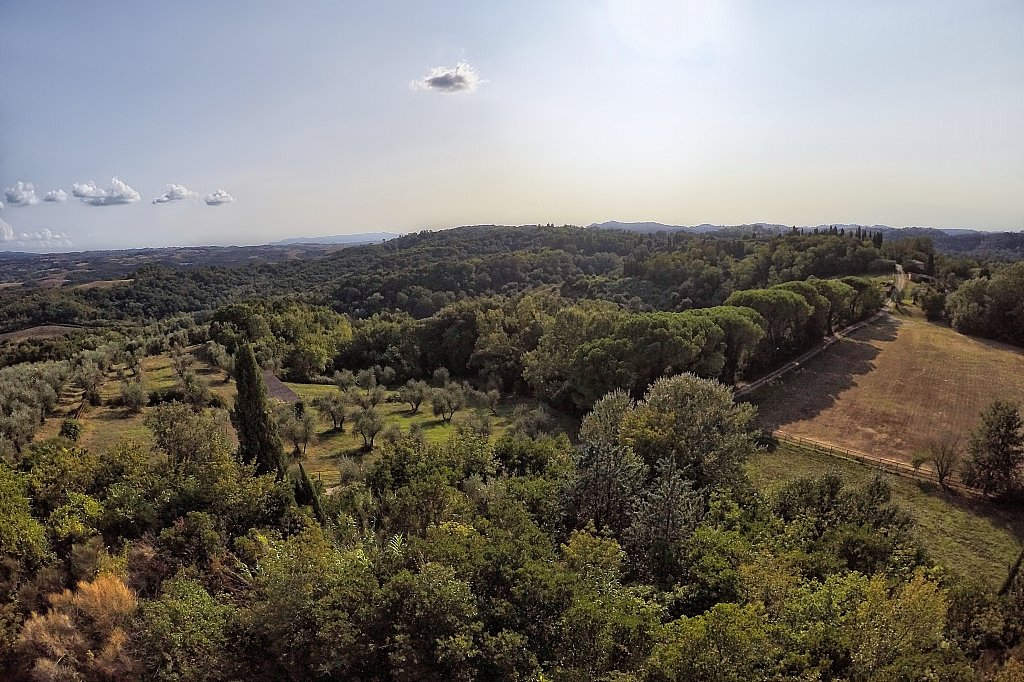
835, 337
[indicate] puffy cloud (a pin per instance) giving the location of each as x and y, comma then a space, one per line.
22, 194
174, 193
219, 197
34, 241
56, 195
460, 78
118, 193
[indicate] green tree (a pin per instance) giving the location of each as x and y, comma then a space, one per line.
133, 396
995, 450
71, 429
333, 407
695, 423
367, 422
944, 455
445, 402
259, 441
414, 392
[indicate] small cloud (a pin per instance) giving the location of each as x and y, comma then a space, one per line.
22, 194
56, 195
119, 193
41, 240
219, 197
175, 193
460, 78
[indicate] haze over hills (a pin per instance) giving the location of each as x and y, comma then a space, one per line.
363, 238
958, 241
646, 227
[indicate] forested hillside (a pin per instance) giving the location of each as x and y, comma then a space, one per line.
587, 514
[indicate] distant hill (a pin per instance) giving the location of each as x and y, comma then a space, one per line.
703, 228
364, 238
957, 241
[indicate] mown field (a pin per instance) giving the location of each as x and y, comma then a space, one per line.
972, 538
893, 386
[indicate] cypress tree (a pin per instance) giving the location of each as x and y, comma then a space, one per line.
258, 437
305, 493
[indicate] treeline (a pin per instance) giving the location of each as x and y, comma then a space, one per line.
990, 306
571, 354
422, 273
642, 554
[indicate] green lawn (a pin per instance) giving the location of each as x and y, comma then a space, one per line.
972, 538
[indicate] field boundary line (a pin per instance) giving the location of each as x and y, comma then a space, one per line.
892, 466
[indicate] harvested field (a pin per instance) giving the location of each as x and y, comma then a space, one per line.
893, 386
46, 331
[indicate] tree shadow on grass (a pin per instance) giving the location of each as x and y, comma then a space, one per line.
1006, 515
814, 387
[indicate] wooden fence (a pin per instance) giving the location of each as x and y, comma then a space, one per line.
892, 466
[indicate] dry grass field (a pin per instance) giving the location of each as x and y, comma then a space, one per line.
893, 386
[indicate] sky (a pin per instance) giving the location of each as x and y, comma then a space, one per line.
242, 122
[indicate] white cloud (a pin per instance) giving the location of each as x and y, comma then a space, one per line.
22, 194
175, 193
119, 193
56, 195
219, 197
42, 240
460, 78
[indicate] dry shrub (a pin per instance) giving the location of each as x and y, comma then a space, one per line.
83, 635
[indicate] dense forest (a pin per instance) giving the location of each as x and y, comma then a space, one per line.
629, 545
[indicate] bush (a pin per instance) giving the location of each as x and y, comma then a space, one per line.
71, 429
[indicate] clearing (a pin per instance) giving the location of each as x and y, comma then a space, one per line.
333, 457
892, 386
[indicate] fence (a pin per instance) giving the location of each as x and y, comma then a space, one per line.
892, 466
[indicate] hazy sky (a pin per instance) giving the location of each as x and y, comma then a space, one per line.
332, 117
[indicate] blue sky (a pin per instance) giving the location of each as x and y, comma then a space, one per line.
315, 118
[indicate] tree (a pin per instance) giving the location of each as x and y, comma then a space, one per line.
344, 379
259, 441
943, 454
367, 422
133, 396
660, 519
445, 402
189, 438
995, 450
89, 377
695, 422
414, 392
607, 480
366, 379
932, 302
298, 425
333, 407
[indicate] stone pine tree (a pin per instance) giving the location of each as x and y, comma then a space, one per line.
259, 441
